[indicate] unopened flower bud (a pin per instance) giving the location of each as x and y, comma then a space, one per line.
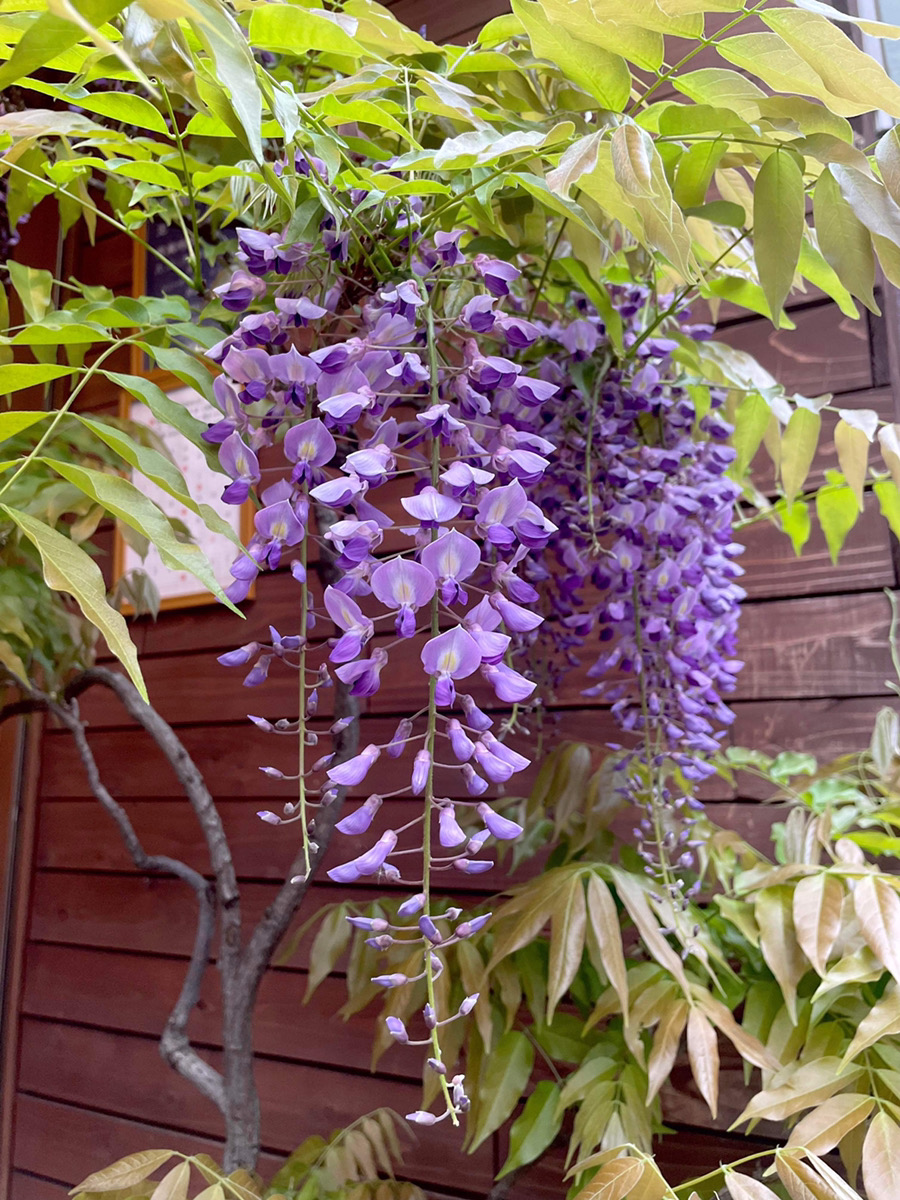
321, 763
421, 767
430, 930
269, 817
261, 723
466, 928
312, 703
422, 1118
429, 1016
397, 743
468, 1004
384, 941
397, 1029
272, 772
369, 924
340, 725
413, 905
390, 981
436, 1065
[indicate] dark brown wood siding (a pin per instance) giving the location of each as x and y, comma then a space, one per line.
106, 947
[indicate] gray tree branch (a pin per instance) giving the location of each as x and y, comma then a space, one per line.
175, 1045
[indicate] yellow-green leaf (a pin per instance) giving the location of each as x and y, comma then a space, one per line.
888, 496
818, 900
69, 569
845, 242
614, 1181
121, 498
881, 1159
743, 1187
852, 447
796, 524
877, 908
12, 423
822, 1129
837, 510
127, 1172
778, 224
174, 1184
703, 1054
778, 941
15, 376
604, 75
845, 70
798, 448
881, 1021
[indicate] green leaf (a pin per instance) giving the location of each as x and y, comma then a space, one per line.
640, 173
50, 35
183, 366
604, 75
232, 60
837, 511
503, 1080
12, 423
778, 224
534, 1129
121, 498
124, 107
293, 30
15, 376
161, 471
722, 89
889, 502
165, 409
331, 940
852, 445
67, 568
695, 171
843, 239
34, 288
798, 448
751, 420
567, 930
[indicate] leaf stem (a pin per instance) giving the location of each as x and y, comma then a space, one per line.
193, 249
59, 190
35, 451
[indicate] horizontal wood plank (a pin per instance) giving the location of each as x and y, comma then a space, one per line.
827, 352
126, 1075
132, 993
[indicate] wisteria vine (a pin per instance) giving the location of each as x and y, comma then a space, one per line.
466, 463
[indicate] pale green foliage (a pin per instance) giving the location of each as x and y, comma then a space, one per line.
571, 131
792, 958
356, 1163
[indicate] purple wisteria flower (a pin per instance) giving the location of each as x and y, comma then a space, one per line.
449, 656
405, 586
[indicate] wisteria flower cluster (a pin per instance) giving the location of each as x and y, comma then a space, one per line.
644, 560
437, 436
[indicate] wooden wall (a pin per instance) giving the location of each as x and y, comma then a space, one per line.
106, 947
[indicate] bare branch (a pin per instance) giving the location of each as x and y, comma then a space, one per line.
175, 1045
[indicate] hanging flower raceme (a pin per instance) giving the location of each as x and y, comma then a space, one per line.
456, 464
